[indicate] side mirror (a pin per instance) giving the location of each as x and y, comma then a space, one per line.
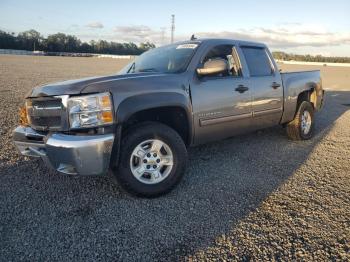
214, 66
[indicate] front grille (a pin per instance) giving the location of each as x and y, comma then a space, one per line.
46, 114
52, 103
44, 122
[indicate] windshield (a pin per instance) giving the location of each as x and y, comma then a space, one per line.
166, 59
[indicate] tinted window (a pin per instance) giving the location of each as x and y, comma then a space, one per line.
258, 61
166, 59
224, 52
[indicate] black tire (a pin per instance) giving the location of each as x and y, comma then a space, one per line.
138, 134
294, 128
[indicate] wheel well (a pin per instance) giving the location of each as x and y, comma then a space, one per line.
308, 95
172, 116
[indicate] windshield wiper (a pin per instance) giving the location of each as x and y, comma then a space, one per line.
148, 70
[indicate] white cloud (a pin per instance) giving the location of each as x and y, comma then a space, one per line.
311, 38
286, 36
283, 36
95, 25
138, 33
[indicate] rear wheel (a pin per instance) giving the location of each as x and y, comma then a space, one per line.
153, 160
301, 128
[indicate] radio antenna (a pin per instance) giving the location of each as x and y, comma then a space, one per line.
172, 28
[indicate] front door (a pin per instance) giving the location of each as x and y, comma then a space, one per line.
221, 103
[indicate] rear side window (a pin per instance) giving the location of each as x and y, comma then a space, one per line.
259, 63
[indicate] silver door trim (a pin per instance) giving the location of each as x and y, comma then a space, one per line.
266, 112
224, 119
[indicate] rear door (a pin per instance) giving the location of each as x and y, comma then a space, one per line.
266, 86
221, 103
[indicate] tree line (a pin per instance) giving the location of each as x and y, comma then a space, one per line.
32, 40
310, 58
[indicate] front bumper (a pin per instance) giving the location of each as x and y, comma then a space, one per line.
68, 154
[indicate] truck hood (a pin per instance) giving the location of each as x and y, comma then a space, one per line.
77, 86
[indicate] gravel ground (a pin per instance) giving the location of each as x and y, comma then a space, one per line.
253, 197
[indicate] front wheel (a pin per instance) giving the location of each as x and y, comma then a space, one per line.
153, 160
301, 128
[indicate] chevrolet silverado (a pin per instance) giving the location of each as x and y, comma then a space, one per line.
139, 122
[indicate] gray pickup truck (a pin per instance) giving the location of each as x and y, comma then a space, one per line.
139, 122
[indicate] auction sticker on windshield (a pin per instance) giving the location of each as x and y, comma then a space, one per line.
188, 46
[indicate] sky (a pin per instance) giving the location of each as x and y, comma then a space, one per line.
298, 26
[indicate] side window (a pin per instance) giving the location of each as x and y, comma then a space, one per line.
258, 61
227, 53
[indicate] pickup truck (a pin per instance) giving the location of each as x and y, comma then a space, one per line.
139, 122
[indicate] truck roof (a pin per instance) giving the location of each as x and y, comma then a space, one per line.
222, 40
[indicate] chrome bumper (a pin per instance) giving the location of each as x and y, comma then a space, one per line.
68, 154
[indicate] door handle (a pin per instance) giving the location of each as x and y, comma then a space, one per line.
275, 85
241, 89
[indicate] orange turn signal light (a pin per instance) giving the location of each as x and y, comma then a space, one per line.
105, 102
23, 119
107, 117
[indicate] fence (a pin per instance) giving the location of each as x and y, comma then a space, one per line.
42, 53
312, 63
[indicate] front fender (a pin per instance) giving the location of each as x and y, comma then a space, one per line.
140, 102
137, 103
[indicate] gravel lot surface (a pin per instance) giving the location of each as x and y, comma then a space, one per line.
253, 197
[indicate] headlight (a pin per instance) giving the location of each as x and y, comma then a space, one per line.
90, 110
